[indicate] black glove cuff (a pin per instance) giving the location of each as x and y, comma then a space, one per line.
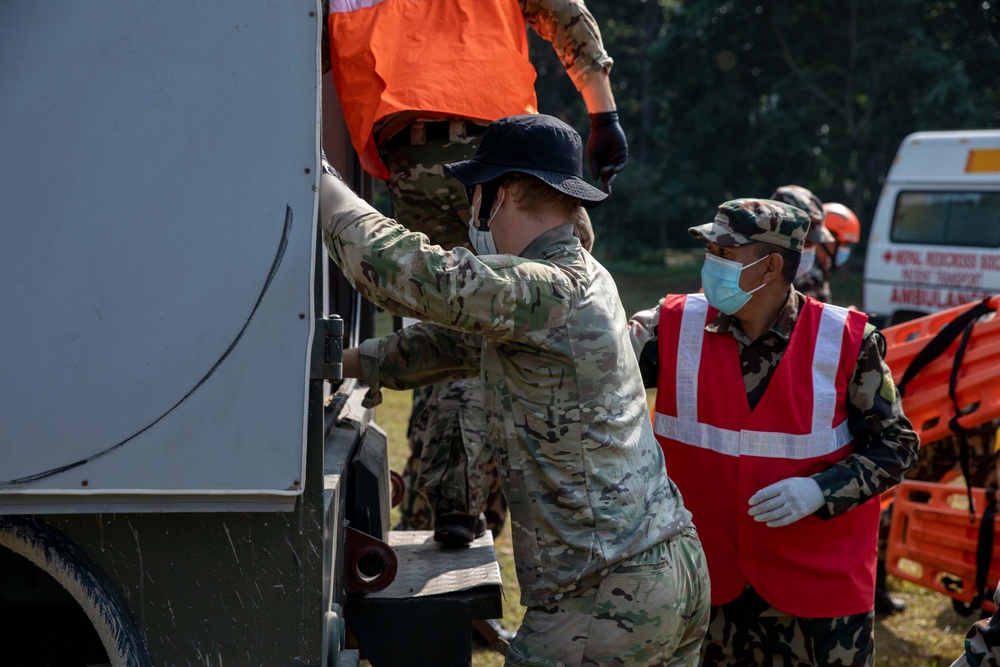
603, 118
326, 166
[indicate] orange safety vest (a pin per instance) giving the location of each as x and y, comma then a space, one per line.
720, 453
450, 58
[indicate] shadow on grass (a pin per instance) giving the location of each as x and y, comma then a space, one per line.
929, 633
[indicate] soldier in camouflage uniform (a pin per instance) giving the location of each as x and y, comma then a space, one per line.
749, 630
812, 277
609, 565
449, 468
448, 480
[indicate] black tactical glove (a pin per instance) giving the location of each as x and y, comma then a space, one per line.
328, 168
607, 148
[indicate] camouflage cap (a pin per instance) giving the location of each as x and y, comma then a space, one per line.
804, 199
743, 221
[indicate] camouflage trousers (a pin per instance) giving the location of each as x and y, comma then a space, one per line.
936, 459
449, 468
748, 632
426, 198
649, 610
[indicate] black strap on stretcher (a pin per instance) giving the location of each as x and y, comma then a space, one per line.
934, 348
963, 325
984, 556
942, 341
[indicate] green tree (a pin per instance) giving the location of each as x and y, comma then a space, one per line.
728, 99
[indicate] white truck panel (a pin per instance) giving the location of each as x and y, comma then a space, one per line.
156, 251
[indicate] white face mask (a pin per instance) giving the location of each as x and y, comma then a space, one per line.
843, 252
807, 261
483, 241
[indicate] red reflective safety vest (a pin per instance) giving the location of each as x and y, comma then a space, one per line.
454, 58
720, 453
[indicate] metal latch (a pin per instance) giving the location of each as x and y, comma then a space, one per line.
327, 362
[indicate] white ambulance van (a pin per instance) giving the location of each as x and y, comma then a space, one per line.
935, 237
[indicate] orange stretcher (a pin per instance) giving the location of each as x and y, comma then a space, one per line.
933, 543
927, 402
926, 399
947, 366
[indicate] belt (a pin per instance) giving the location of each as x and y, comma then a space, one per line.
422, 132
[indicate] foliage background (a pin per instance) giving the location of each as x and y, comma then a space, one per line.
733, 99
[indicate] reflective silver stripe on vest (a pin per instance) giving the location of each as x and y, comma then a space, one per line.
752, 443
689, 355
826, 361
824, 438
341, 6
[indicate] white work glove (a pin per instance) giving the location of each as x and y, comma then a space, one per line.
786, 501
640, 329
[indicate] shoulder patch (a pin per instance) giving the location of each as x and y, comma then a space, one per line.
888, 388
498, 261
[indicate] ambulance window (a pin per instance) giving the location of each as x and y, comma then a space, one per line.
948, 218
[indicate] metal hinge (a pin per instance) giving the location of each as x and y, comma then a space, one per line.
327, 361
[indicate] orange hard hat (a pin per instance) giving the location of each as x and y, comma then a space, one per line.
842, 222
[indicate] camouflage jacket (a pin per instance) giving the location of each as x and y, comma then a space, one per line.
885, 446
982, 642
566, 411
814, 283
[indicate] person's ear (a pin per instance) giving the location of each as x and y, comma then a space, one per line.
503, 194
775, 263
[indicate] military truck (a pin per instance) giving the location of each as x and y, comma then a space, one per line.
184, 477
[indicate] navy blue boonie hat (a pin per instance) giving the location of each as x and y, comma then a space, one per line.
535, 144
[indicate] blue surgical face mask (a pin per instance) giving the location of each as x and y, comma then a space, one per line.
720, 278
843, 252
806, 262
483, 241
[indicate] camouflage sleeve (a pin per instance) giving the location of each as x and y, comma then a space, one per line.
501, 296
982, 642
415, 356
571, 29
643, 331
885, 446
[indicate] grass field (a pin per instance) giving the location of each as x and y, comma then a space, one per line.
928, 634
